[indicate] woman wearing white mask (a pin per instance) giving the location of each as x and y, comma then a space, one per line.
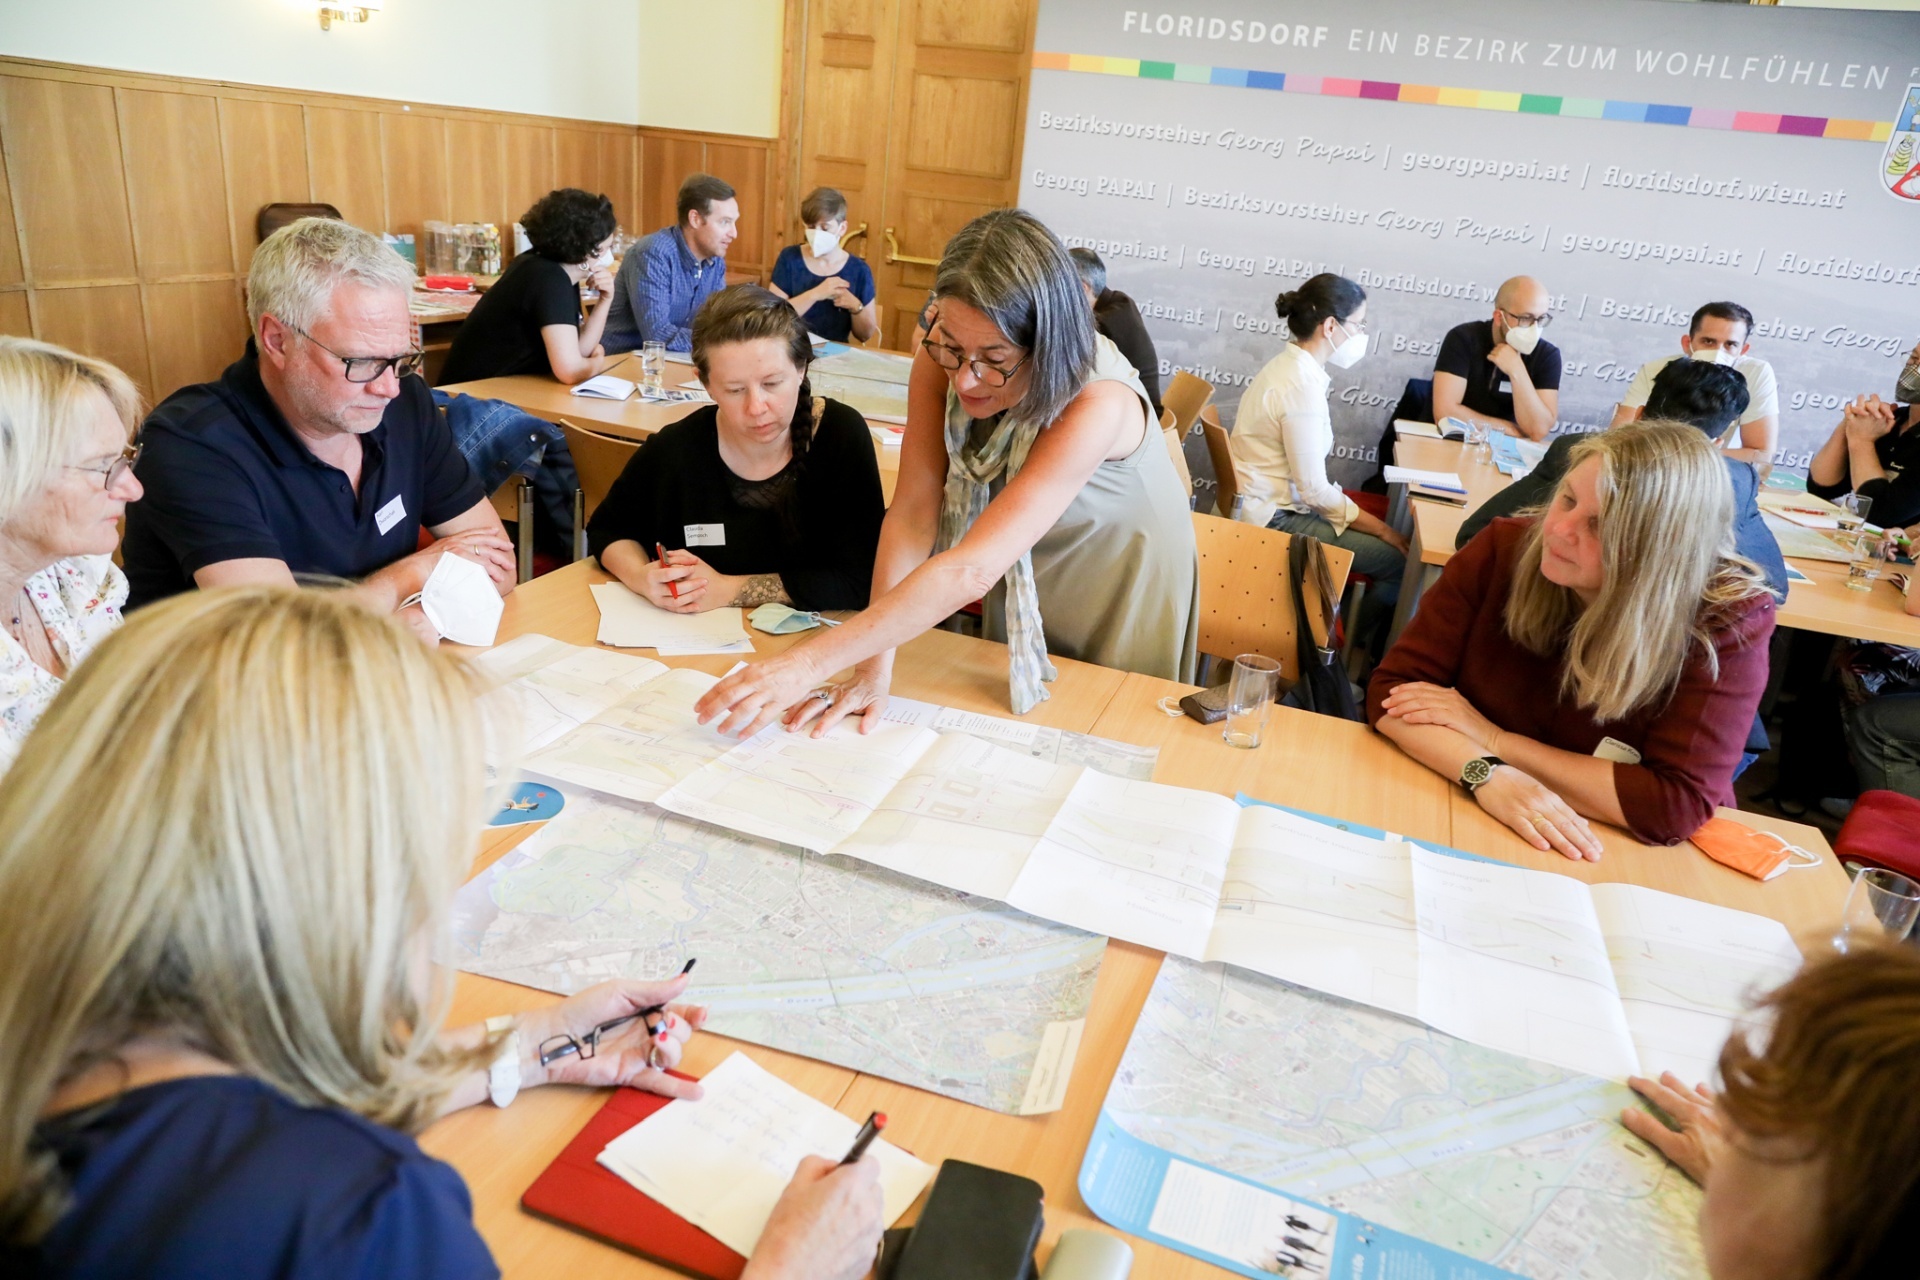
830, 288
1283, 434
529, 321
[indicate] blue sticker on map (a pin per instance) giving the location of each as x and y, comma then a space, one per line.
529, 802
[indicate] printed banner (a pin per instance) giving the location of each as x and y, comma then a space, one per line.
1638, 157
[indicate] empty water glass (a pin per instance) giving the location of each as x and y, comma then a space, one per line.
1250, 698
1881, 908
653, 364
1869, 560
1852, 514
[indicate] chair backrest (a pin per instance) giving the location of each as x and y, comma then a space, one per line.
1179, 456
1246, 601
598, 459
1185, 396
272, 217
1224, 474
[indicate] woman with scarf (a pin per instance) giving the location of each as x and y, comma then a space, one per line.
1032, 478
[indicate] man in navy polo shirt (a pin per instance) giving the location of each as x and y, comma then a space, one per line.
319, 452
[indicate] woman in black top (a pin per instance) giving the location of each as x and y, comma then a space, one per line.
769, 495
1875, 452
529, 322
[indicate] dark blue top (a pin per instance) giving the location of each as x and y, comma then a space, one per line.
226, 479
660, 289
835, 324
224, 1176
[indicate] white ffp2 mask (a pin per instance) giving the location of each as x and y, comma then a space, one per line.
821, 242
1348, 353
1524, 338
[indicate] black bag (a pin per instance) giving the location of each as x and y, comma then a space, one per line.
1323, 686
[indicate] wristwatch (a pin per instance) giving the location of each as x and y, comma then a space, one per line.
1474, 773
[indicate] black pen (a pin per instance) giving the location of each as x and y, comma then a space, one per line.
864, 1139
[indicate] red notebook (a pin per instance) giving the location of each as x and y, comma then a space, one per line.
577, 1191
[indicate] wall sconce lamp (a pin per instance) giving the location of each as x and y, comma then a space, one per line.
358, 11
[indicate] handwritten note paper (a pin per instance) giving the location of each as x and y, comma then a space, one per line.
722, 1162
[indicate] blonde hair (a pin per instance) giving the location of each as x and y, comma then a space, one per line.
1671, 577
42, 397
296, 269
239, 824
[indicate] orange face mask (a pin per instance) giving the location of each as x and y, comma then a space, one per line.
1760, 854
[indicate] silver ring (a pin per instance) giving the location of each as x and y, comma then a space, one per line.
825, 695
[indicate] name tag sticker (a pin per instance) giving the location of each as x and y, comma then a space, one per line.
1506, 387
706, 535
1617, 751
391, 514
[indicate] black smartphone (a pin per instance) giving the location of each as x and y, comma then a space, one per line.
978, 1224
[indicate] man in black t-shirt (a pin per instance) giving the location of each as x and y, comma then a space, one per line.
1501, 371
1116, 316
320, 451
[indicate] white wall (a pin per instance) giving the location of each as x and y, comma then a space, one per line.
573, 58
711, 64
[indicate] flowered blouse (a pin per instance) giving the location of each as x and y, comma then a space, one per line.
79, 600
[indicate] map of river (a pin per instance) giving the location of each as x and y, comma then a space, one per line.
1509, 1161
826, 957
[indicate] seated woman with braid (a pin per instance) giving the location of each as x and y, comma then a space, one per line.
1598, 660
772, 495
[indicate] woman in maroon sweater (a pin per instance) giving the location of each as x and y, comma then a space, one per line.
1602, 660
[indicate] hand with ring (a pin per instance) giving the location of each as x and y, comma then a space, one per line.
1537, 814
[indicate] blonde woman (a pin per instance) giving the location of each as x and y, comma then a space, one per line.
1599, 660
225, 861
66, 475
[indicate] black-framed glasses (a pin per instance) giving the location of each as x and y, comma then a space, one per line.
584, 1047
114, 469
1544, 319
365, 369
951, 358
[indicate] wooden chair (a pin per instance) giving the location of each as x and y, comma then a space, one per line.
1179, 454
1225, 477
272, 217
598, 460
1186, 396
1246, 601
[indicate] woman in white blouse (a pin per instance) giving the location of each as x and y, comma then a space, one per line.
66, 476
1283, 434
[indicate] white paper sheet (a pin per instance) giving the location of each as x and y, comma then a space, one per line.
606, 387
1429, 479
557, 687
722, 1162
640, 746
628, 621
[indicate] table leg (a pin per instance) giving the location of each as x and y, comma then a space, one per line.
1399, 515
1413, 584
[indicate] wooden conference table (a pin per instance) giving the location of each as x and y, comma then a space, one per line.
1826, 604
1325, 765
635, 419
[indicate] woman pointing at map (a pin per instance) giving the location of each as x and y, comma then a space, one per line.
1031, 479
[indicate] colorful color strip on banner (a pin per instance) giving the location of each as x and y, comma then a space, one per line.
1477, 99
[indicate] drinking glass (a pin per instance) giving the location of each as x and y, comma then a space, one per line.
1869, 560
1250, 699
1852, 514
653, 363
1881, 907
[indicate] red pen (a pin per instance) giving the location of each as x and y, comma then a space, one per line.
660, 550
868, 1132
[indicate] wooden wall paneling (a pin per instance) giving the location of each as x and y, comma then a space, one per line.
964, 124
848, 70
617, 173
62, 145
745, 168
476, 172
344, 157
15, 317
576, 160
529, 169
999, 27
265, 150
194, 330
98, 320
176, 189
11, 270
666, 161
414, 156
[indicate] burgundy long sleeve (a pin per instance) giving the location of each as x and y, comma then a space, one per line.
1688, 748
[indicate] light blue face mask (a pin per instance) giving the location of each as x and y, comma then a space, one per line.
781, 620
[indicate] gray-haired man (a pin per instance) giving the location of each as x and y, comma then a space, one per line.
319, 451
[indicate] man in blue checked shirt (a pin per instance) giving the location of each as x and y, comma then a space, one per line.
669, 274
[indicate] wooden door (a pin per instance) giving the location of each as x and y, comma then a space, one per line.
915, 110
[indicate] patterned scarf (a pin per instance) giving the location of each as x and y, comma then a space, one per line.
969, 473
